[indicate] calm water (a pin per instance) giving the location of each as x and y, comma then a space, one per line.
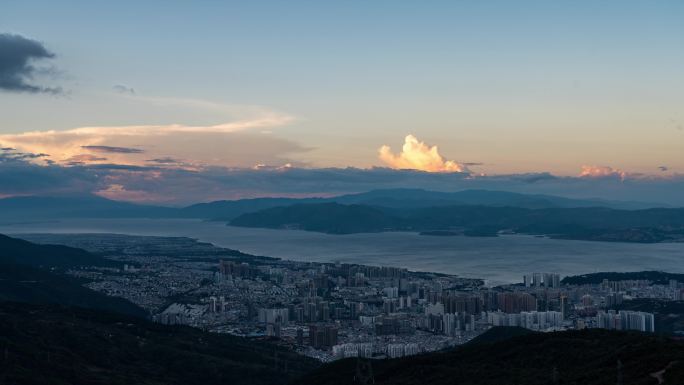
502, 259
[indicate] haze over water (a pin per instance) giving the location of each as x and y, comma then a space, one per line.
498, 260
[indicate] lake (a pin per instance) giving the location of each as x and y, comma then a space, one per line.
498, 260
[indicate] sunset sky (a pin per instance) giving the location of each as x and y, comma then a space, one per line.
573, 90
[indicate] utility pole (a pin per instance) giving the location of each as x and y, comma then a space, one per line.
364, 372
554, 375
619, 372
275, 358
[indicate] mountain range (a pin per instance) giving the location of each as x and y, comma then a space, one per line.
583, 223
91, 206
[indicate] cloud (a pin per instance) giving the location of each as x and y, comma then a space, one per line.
601, 172
122, 89
534, 177
83, 158
165, 160
262, 166
111, 149
417, 155
120, 193
21, 177
168, 184
226, 144
17, 64
9, 154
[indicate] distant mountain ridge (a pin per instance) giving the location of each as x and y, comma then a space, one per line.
330, 217
28, 208
585, 223
86, 206
414, 198
406, 199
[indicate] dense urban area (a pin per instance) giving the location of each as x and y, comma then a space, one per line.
335, 310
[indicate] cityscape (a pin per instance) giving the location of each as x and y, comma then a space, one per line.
333, 311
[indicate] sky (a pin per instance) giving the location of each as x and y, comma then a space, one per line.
114, 91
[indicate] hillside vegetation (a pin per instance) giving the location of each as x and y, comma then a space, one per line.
43, 344
577, 357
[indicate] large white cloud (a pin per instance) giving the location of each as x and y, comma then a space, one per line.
591, 171
417, 155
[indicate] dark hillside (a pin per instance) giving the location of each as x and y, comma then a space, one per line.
578, 357
65, 345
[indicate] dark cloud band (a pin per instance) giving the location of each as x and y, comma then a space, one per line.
17, 57
20, 174
114, 150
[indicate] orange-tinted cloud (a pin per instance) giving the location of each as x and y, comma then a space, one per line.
84, 158
120, 193
417, 155
601, 172
228, 144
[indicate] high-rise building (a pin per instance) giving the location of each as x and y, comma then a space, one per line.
234, 269
330, 336
527, 280
311, 312
537, 279
563, 305
516, 302
391, 292
462, 303
626, 320
273, 330
270, 315
450, 322
436, 309
322, 336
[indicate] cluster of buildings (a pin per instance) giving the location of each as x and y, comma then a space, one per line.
548, 280
533, 320
334, 310
626, 320
353, 310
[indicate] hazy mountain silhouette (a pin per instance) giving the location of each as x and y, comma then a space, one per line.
589, 223
29, 208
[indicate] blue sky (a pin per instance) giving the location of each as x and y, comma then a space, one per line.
525, 86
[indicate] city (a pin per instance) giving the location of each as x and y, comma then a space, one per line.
332, 311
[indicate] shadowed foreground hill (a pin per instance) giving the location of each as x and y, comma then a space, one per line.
27, 275
20, 252
60, 345
578, 357
40, 286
